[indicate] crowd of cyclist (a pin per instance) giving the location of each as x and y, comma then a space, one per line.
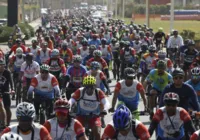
68, 66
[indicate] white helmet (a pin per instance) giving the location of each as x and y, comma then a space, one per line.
19, 51
25, 109
162, 54
55, 52
11, 136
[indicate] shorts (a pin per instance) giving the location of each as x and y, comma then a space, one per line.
94, 121
6, 100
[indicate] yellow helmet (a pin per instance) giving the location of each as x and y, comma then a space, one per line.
89, 80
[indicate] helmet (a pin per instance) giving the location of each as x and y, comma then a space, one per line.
171, 97
152, 48
127, 43
93, 47
2, 62
77, 58
29, 56
114, 40
129, 72
55, 52
195, 71
44, 43
64, 44
144, 47
121, 43
34, 41
191, 43
122, 117
11, 136
161, 64
97, 53
175, 32
45, 67
18, 41
84, 42
178, 72
160, 29
19, 51
61, 103
103, 41
141, 33
95, 65
162, 54
89, 80
25, 109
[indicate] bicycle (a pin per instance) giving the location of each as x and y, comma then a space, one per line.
195, 118
18, 92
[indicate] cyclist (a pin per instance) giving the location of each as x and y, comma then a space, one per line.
57, 66
75, 75
28, 130
195, 80
128, 92
28, 70
123, 127
188, 57
44, 85
43, 54
186, 93
158, 78
63, 126
127, 57
92, 48
33, 49
11, 136
162, 55
99, 75
159, 36
6, 84
137, 44
94, 41
83, 51
66, 53
170, 120
49, 42
91, 101
98, 57
17, 45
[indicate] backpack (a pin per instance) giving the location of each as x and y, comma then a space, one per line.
133, 131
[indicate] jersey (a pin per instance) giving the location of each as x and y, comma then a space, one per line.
66, 55
40, 132
189, 56
167, 61
76, 75
44, 88
148, 59
195, 135
103, 64
14, 48
129, 94
69, 133
83, 52
137, 46
88, 103
34, 51
106, 50
56, 65
174, 42
127, 54
166, 127
43, 55
140, 131
159, 82
17, 61
30, 71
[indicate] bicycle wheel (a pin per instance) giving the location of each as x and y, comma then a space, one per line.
18, 97
42, 117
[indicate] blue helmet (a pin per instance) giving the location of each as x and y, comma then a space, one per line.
95, 65
122, 117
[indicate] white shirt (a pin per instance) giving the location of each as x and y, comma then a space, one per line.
30, 71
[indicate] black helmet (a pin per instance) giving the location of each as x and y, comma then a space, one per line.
129, 72
191, 43
178, 72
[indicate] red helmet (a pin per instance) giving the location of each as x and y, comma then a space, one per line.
171, 97
61, 104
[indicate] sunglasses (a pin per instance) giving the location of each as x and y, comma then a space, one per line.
61, 113
178, 77
25, 119
44, 72
195, 77
172, 105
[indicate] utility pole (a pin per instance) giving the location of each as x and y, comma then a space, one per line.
116, 2
123, 8
172, 15
147, 13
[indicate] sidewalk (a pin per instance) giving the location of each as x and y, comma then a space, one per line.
34, 24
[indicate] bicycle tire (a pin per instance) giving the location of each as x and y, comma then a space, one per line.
18, 97
42, 117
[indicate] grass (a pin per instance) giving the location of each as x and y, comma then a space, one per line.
3, 11
180, 25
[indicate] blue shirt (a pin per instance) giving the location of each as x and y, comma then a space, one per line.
186, 94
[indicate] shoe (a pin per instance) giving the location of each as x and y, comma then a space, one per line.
109, 81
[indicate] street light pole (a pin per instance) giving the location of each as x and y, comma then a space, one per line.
172, 16
116, 1
123, 9
147, 13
